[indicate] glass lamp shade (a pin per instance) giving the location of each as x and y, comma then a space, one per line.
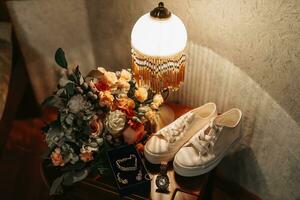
158, 58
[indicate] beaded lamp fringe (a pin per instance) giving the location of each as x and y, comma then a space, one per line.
158, 73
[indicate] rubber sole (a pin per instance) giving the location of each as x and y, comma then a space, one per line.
199, 170
158, 159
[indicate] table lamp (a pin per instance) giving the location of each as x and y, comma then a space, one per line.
158, 40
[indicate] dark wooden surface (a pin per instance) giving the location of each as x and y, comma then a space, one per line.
104, 185
95, 185
20, 176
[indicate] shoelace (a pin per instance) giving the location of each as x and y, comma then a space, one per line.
174, 131
205, 142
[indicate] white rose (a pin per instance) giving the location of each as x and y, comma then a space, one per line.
115, 122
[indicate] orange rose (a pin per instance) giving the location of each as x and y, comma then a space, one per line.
106, 99
57, 158
96, 127
126, 103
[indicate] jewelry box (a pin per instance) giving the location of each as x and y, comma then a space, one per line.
128, 169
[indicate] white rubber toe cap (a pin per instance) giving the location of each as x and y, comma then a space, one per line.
157, 145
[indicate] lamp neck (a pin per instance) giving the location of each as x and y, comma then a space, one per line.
160, 12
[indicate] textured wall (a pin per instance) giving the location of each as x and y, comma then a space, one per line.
241, 54
253, 62
267, 160
44, 26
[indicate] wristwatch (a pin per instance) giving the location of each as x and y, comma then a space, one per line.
162, 180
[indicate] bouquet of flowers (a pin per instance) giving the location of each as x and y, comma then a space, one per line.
102, 109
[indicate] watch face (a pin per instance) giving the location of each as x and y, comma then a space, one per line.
162, 182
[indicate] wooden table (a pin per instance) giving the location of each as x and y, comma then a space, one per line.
104, 187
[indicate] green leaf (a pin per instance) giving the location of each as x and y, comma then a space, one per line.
70, 89
56, 187
53, 101
148, 101
73, 167
60, 58
76, 76
132, 89
73, 177
136, 119
61, 92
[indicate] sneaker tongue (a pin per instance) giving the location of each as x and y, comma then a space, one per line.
204, 140
175, 130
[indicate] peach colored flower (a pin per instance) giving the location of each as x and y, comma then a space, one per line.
125, 75
132, 135
141, 94
126, 103
86, 153
96, 127
57, 158
106, 99
123, 85
157, 101
154, 106
151, 116
106, 80
101, 69
86, 156
110, 78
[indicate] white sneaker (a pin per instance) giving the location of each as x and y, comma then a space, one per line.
164, 144
206, 148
